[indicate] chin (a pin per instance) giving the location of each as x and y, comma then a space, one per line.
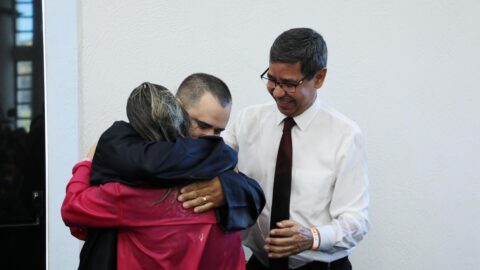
287, 110
287, 113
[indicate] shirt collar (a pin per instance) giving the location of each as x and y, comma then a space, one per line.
304, 119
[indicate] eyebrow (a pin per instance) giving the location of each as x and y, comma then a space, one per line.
207, 125
291, 81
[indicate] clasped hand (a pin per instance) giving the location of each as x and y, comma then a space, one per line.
288, 239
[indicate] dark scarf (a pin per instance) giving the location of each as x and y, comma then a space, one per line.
119, 152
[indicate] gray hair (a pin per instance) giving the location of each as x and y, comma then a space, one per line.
155, 114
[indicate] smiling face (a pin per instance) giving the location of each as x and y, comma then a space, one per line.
293, 104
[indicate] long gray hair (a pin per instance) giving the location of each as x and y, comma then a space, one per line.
155, 114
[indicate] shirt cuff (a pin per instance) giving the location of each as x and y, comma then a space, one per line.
327, 237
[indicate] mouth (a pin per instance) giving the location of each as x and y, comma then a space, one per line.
283, 104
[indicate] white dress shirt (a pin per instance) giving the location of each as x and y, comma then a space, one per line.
329, 176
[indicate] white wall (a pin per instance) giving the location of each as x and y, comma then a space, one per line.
406, 71
60, 40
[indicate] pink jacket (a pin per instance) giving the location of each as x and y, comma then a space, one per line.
153, 233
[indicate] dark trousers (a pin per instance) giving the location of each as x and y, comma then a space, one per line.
341, 264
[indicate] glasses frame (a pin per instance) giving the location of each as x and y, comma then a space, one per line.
295, 84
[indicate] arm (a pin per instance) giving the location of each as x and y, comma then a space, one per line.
238, 200
348, 209
244, 201
86, 206
244, 196
349, 206
123, 156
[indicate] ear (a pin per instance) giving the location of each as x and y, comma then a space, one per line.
320, 78
180, 102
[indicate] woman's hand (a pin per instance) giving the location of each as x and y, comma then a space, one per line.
91, 152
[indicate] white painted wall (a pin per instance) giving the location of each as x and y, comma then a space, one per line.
406, 71
60, 40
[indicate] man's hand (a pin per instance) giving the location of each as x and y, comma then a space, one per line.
288, 239
203, 196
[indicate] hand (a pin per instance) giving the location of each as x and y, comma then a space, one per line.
203, 196
288, 239
91, 152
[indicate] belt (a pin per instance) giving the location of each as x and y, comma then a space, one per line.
342, 263
324, 265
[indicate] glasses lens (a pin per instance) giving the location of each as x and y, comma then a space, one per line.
268, 83
289, 88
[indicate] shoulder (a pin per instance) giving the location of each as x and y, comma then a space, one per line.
118, 126
248, 123
256, 113
337, 120
269, 106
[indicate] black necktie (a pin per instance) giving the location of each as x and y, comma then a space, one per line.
282, 185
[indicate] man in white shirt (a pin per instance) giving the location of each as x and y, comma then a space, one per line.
328, 183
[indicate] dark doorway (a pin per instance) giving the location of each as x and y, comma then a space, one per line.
22, 136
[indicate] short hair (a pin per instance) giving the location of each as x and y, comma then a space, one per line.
302, 45
196, 85
155, 114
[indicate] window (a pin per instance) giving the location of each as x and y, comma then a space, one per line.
24, 40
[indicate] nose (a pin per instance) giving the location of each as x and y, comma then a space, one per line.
278, 91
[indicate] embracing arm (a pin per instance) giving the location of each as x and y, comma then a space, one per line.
237, 199
86, 206
123, 156
244, 201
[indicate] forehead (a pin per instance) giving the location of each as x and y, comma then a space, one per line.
209, 110
285, 71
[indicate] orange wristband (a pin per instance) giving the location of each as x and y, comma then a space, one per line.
316, 238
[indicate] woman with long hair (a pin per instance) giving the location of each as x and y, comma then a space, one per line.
153, 230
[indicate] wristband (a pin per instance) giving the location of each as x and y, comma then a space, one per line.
316, 238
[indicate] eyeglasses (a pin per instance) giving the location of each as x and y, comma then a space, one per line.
287, 86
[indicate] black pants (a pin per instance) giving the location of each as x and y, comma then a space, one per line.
341, 264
